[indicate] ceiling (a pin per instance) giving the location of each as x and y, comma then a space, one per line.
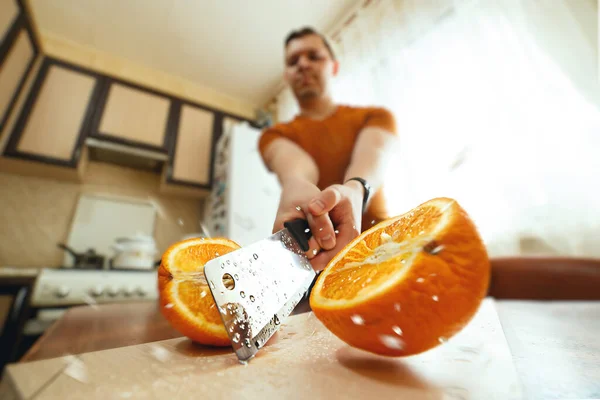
231, 46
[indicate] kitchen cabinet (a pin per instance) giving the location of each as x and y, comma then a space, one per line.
134, 116
190, 161
18, 51
192, 148
56, 115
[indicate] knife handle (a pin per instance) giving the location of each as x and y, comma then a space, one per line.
300, 230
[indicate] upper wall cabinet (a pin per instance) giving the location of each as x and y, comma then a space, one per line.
134, 116
18, 51
190, 160
56, 115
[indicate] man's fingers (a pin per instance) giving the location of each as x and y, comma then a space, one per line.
324, 201
322, 230
313, 248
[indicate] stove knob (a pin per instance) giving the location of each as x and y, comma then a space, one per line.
97, 291
112, 291
141, 291
62, 291
128, 291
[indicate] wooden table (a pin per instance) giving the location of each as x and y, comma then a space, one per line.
555, 345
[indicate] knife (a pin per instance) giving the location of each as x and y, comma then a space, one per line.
257, 287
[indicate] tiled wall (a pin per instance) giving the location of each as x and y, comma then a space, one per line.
35, 213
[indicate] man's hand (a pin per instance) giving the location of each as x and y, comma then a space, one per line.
296, 195
343, 206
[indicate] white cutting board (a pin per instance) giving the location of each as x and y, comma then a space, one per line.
100, 219
303, 360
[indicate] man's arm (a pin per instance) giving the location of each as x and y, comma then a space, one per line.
289, 162
298, 175
372, 152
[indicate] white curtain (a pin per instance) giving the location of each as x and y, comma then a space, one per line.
497, 104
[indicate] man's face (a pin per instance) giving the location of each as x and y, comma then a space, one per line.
308, 67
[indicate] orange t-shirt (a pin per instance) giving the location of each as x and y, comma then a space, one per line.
330, 143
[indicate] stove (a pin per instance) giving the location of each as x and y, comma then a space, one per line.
56, 287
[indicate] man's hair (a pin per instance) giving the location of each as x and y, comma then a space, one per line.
305, 32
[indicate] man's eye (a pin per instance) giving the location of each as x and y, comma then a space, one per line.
314, 56
292, 61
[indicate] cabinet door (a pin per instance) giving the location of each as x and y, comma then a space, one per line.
14, 70
56, 115
191, 153
18, 51
133, 116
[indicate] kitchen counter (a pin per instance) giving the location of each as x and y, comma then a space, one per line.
553, 344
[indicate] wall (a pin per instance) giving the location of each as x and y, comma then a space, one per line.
109, 64
35, 213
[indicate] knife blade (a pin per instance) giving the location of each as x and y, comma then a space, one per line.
257, 287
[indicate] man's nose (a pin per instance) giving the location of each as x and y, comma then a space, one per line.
303, 62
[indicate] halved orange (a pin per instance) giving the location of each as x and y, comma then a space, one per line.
184, 296
407, 284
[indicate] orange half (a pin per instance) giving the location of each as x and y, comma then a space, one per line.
407, 284
184, 296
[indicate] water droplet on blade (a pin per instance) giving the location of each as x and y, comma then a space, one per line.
212, 285
242, 294
276, 320
255, 256
252, 298
235, 276
236, 337
357, 319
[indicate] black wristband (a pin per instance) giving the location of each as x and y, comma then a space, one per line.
368, 190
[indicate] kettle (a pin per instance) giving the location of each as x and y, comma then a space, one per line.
134, 252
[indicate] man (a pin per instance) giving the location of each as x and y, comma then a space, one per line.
331, 158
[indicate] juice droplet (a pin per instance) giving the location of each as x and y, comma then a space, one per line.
306, 230
391, 342
435, 298
315, 251
442, 339
252, 298
437, 250
397, 330
236, 338
242, 295
373, 222
397, 307
420, 280
337, 232
203, 294
170, 305
255, 256
357, 319
217, 254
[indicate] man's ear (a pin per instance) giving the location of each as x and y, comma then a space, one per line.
336, 67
